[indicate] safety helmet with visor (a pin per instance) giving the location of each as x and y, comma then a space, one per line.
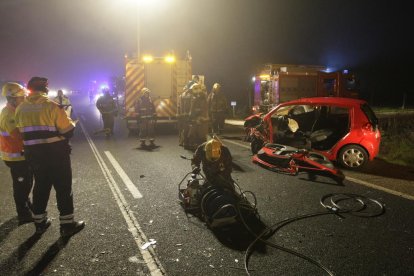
213, 150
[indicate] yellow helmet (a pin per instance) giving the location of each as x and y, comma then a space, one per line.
196, 88
145, 91
216, 86
13, 89
213, 150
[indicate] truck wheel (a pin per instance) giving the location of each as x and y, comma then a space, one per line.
353, 157
256, 144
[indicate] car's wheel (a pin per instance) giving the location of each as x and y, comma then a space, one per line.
353, 157
256, 144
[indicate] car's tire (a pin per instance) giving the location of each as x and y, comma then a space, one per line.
256, 144
353, 157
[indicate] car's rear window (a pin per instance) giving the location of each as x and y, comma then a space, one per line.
370, 115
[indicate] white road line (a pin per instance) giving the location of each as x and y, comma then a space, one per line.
358, 181
131, 187
365, 183
236, 143
150, 258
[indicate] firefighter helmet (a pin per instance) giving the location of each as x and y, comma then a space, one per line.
145, 91
38, 84
13, 89
196, 88
216, 86
213, 150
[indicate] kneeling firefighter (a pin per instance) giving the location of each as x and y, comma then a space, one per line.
216, 162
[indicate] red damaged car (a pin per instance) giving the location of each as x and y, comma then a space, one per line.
342, 129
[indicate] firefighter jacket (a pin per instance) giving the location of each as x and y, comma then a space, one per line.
212, 169
185, 103
11, 142
42, 121
106, 105
145, 108
217, 102
198, 108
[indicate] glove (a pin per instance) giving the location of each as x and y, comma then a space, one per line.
196, 170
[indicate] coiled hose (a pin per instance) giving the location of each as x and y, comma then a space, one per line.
337, 204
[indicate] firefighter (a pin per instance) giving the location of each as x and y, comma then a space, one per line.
195, 79
107, 107
184, 104
63, 102
198, 116
217, 108
147, 116
216, 162
46, 130
11, 147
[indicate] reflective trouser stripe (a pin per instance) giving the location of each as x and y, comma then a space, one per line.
39, 217
66, 219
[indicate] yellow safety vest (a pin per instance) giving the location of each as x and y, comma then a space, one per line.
11, 142
41, 120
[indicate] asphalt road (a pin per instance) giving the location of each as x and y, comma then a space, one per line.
129, 196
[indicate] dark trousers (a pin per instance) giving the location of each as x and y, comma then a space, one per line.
51, 167
22, 185
147, 129
108, 121
217, 121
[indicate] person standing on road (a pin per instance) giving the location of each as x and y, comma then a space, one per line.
198, 116
145, 109
184, 105
63, 102
217, 109
11, 148
107, 107
46, 130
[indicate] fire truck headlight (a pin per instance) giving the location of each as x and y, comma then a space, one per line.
169, 59
147, 59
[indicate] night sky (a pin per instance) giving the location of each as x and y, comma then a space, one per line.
75, 42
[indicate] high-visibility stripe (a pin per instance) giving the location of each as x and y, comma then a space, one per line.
4, 134
165, 107
43, 141
11, 154
134, 84
37, 128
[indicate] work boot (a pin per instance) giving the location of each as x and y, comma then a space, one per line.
24, 219
42, 226
70, 229
25, 216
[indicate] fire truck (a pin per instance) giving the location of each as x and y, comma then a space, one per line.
164, 76
277, 83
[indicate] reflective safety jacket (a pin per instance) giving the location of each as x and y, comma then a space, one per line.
42, 121
11, 142
63, 101
145, 108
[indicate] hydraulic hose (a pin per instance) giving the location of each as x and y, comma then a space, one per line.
340, 203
